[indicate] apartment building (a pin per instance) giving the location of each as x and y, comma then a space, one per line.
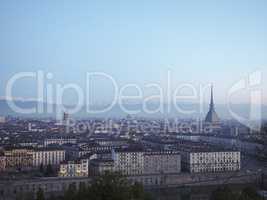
46, 156
78, 168
160, 162
128, 161
59, 141
18, 158
211, 161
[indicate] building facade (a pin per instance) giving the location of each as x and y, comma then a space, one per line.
19, 159
128, 162
162, 162
134, 162
48, 157
207, 162
79, 168
60, 141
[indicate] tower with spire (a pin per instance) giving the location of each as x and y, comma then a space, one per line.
212, 116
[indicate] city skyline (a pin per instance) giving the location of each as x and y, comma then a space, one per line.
140, 100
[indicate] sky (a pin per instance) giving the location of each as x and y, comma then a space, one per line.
135, 42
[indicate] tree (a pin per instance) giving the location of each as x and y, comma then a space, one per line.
70, 194
147, 196
110, 186
223, 193
28, 196
249, 193
41, 169
49, 170
52, 197
40, 194
82, 192
137, 191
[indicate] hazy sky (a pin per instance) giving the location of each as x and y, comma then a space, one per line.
138, 41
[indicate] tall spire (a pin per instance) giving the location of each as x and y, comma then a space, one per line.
212, 116
211, 99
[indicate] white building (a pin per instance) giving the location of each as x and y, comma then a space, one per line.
60, 141
205, 162
139, 162
28, 144
48, 156
160, 162
128, 162
78, 168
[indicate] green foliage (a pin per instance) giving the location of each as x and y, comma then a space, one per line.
28, 196
137, 191
49, 170
70, 194
41, 168
40, 194
52, 197
82, 192
225, 193
249, 193
110, 186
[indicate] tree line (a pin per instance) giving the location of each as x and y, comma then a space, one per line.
109, 186
225, 193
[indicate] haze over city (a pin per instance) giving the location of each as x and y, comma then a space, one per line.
139, 100
198, 42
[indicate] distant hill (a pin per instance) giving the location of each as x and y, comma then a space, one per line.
116, 111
